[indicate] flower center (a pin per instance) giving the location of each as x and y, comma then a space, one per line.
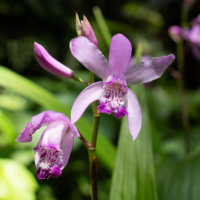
50, 162
113, 99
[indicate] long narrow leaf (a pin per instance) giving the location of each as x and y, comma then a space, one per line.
102, 25
27, 88
179, 181
133, 176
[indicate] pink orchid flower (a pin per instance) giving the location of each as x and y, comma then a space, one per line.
192, 35
112, 92
54, 147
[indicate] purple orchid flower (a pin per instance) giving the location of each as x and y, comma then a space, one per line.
54, 147
51, 64
192, 35
112, 92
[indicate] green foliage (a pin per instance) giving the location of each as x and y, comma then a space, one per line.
133, 177
16, 182
179, 181
7, 130
102, 25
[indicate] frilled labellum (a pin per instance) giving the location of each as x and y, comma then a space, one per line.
114, 97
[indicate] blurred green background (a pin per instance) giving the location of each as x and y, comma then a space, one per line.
52, 24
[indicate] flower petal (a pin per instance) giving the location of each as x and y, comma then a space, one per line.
88, 31
66, 147
90, 56
43, 118
194, 35
120, 54
53, 135
132, 60
148, 70
134, 114
84, 99
50, 64
196, 20
196, 52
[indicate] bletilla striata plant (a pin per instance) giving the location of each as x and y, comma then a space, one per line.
54, 147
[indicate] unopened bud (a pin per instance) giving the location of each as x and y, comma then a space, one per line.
175, 33
51, 64
84, 28
78, 26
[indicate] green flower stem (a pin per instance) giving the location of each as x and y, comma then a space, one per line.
92, 148
184, 108
80, 80
85, 142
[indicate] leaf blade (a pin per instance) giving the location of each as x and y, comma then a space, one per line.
134, 160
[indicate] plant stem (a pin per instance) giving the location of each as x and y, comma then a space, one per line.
80, 80
92, 148
85, 142
185, 118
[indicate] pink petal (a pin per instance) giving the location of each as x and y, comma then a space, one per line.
196, 52
175, 32
196, 20
66, 147
132, 60
134, 114
84, 99
120, 54
50, 64
88, 31
194, 35
37, 158
43, 118
53, 135
148, 70
90, 56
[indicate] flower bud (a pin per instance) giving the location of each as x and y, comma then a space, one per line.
78, 26
84, 28
51, 64
175, 33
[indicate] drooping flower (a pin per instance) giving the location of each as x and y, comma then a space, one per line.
51, 64
84, 28
54, 147
112, 92
191, 35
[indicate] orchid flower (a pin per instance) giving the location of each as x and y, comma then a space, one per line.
54, 147
192, 35
112, 92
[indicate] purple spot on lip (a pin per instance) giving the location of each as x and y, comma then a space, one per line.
55, 172
121, 112
104, 108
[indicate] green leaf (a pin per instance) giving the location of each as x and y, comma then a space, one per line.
179, 181
7, 129
16, 182
133, 176
102, 25
27, 88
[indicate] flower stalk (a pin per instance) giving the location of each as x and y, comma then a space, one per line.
80, 80
92, 149
184, 107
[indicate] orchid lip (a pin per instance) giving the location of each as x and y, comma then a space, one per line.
114, 98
